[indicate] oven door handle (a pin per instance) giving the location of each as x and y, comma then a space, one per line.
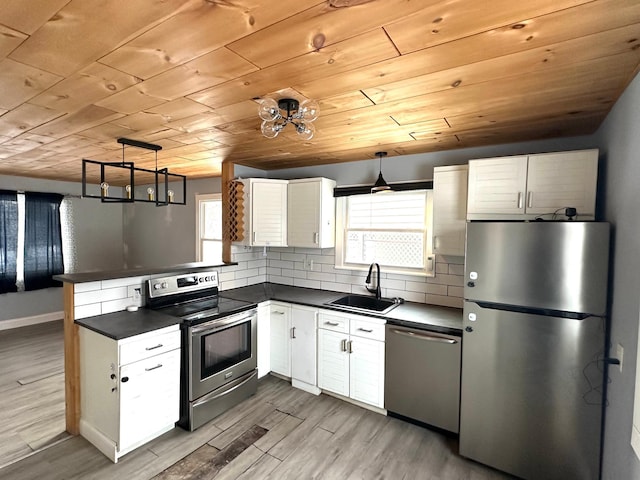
221, 323
214, 395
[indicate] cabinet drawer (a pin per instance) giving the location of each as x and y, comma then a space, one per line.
333, 322
149, 346
366, 329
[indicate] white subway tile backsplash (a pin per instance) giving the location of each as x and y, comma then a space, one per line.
262, 262
294, 257
419, 287
96, 296
323, 277
87, 287
301, 282
252, 272
226, 276
451, 259
308, 251
89, 310
393, 284
455, 269
328, 259
455, 291
336, 287
442, 268
116, 305
436, 289
444, 301
242, 282
298, 266
256, 279
273, 255
280, 264
455, 280
274, 271
281, 280
408, 296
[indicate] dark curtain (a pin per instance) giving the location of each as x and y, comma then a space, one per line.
42, 240
8, 240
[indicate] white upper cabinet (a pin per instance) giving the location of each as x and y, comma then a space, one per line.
311, 213
449, 209
497, 186
264, 212
564, 179
525, 187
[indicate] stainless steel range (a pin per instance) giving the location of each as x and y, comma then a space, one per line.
219, 344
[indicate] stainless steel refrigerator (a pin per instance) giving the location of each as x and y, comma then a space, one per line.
533, 347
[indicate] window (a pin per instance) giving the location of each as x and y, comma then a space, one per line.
392, 229
31, 241
209, 228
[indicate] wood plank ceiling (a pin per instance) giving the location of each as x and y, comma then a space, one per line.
406, 76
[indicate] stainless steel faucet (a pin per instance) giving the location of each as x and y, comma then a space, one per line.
368, 281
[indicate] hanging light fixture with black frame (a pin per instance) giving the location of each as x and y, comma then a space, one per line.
128, 186
381, 185
276, 115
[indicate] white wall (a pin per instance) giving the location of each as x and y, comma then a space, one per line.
95, 234
620, 143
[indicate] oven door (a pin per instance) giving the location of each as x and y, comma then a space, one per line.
220, 351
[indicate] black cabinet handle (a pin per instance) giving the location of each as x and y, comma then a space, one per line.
471, 284
468, 329
125, 379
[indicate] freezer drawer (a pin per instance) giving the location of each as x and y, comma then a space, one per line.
422, 376
531, 397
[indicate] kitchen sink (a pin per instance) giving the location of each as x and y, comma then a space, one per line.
364, 303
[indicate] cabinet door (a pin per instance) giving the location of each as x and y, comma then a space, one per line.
496, 186
333, 362
149, 397
280, 316
303, 344
269, 214
449, 209
303, 215
564, 179
264, 340
367, 371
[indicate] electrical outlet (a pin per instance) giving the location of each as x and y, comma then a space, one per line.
620, 355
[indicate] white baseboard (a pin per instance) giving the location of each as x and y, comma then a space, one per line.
33, 320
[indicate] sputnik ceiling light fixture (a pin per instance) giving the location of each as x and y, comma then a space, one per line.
276, 115
380, 185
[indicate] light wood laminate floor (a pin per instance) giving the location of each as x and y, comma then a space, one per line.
279, 433
31, 389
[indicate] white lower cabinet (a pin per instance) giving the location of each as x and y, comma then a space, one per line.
280, 335
303, 348
264, 339
351, 357
129, 389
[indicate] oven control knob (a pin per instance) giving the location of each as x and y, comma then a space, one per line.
201, 279
164, 285
206, 279
157, 286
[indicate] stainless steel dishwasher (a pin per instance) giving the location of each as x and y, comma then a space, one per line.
422, 376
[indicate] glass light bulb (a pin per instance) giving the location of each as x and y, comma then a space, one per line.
268, 109
104, 186
127, 189
170, 194
270, 129
150, 192
306, 131
309, 110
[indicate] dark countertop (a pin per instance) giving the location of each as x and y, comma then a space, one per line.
137, 272
410, 314
119, 325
